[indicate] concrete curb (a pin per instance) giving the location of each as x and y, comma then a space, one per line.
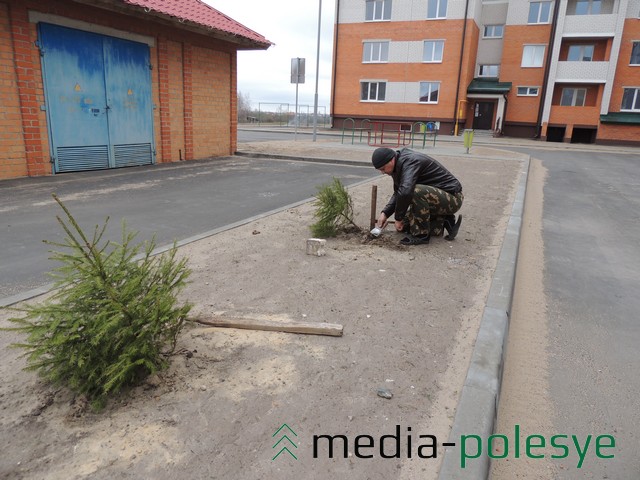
356, 163
477, 408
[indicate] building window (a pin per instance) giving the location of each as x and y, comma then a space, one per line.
532, 55
631, 100
429, 92
527, 91
436, 9
493, 31
573, 97
488, 70
375, 52
580, 53
588, 7
539, 12
373, 91
635, 54
377, 10
433, 51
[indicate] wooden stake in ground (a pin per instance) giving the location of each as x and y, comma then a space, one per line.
374, 199
309, 328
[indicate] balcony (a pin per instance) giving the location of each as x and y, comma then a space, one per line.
589, 25
582, 72
574, 115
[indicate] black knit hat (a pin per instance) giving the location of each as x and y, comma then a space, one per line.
381, 156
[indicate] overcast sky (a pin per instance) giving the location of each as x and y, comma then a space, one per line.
292, 25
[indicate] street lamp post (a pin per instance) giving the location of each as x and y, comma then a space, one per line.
315, 98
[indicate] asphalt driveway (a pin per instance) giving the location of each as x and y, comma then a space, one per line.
172, 201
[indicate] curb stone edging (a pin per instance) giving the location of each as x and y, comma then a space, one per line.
477, 408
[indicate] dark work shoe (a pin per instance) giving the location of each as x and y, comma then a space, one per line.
452, 226
412, 240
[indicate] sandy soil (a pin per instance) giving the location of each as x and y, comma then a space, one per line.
410, 315
525, 379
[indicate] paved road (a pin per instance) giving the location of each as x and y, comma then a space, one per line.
591, 228
174, 201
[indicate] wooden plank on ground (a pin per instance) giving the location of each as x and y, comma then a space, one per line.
308, 328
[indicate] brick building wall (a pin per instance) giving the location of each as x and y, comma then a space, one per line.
193, 91
523, 109
211, 103
467, 73
351, 69
176, 101
12, 148
626, 75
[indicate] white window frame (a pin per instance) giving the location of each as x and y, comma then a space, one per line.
440, 5
529, 92
379, 10
491, 29
635, 44
433, 46
376, 47
488, 66
635, 101
590, 7
574, 96
377, 83
581, 55
540, 12
430, 92
531, 56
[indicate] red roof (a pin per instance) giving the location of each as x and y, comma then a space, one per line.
198, 12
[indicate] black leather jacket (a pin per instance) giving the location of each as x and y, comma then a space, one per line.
416, 168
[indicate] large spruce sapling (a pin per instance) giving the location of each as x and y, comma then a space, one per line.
113, 318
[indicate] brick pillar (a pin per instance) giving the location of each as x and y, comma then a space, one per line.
234, 103
187, 72
163, 93
26, 55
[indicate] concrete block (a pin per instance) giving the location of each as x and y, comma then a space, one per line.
315, 246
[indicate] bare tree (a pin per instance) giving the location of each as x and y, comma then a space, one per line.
244, 107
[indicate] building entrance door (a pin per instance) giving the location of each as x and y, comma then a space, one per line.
98, 98
483, 116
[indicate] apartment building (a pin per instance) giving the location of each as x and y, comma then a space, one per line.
561, 70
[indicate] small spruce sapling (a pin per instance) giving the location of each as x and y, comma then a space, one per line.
334, 210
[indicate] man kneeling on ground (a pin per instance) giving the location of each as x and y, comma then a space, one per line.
425, 195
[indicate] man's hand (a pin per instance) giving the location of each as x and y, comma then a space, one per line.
382, 221
399, 225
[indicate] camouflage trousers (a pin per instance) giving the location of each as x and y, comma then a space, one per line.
428, 208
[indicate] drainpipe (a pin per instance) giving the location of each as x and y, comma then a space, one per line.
547, 67
464, 31
504, 113
335, 64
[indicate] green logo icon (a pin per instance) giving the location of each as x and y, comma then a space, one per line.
282, 442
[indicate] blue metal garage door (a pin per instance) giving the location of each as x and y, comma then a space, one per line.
98, 95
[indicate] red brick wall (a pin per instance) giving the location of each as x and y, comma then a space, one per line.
192, 87
613, 133
164, 99
211, 98
26, 60
12, 151
522, 109
465, 106
176, 101
626, 75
